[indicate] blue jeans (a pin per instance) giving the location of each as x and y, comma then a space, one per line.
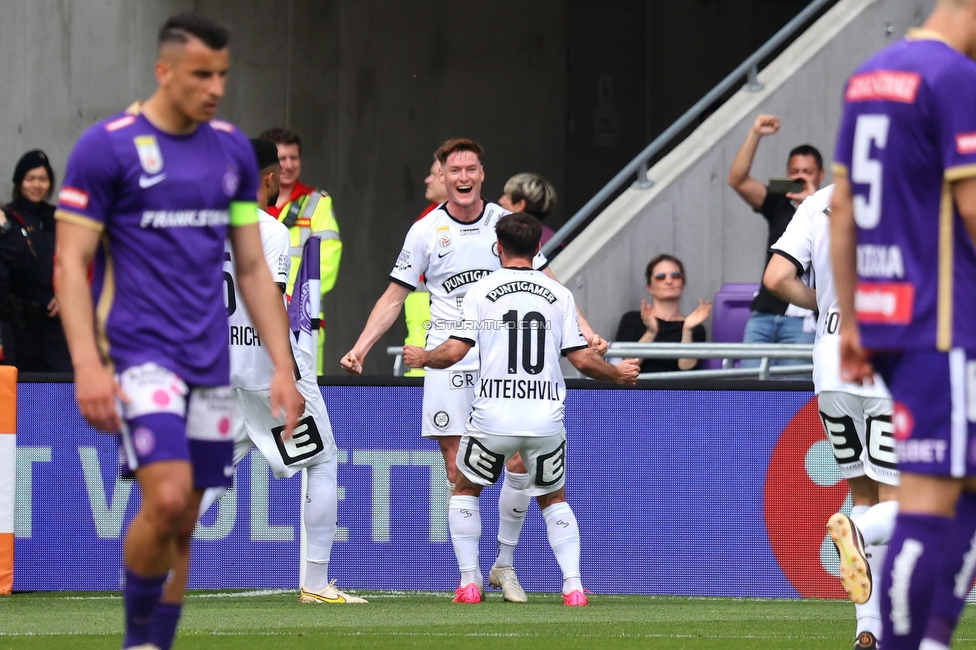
774, 328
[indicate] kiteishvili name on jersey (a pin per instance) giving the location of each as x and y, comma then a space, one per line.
519, 389
184, 218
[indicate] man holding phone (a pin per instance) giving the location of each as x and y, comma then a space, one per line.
774, 320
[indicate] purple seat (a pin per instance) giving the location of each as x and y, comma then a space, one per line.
730, 312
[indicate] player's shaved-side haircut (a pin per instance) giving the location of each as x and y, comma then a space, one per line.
519, 233
538, 193
282, 136
649, 270
182, 26
458, 144
807, 150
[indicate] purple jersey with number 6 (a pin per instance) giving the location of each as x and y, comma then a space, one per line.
908, 130
162, 203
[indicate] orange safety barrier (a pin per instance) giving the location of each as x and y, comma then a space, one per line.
8, 471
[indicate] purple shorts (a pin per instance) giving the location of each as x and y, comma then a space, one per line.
935, 409
167, 420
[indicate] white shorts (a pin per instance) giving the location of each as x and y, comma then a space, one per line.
860, 432
448, 395
311, 443
481, 458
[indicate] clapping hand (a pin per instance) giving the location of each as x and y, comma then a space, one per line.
700, 315
648, 318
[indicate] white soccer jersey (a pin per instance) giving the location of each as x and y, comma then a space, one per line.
806, 243
451, 256
520, 320
250, 365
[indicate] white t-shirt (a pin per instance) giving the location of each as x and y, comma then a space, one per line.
451, 256
806, 243
520, 321
250, 365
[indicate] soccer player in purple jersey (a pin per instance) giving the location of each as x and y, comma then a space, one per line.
903, 225
148, 197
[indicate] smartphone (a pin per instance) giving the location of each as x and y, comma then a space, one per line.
785, 185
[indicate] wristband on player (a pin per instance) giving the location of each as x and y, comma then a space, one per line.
243, 213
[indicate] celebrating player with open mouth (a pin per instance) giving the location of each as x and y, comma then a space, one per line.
520, 321
453, 247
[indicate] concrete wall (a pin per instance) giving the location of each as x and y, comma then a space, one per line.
372, 87
691, 212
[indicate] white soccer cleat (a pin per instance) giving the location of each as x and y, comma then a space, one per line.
329, 595
505, 579
855, 572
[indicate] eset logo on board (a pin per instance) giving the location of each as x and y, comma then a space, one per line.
803, 489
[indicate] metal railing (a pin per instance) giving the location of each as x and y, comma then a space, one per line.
727, 352
640, 164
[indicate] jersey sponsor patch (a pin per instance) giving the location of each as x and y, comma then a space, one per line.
403, 260
152, 389
886, 303
966, 143
150, 157
74, 197
208, 416
483, 461
550, 468
883, 85
306, 441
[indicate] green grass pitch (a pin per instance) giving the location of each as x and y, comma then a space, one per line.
274, 619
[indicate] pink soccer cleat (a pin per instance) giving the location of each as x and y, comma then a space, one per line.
469, 594
575, 598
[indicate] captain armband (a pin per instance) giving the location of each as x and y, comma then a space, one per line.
243, 213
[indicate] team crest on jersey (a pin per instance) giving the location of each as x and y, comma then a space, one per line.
444, 236
150, 157
494, 249
230, 181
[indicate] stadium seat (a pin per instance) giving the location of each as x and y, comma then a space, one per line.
730, 311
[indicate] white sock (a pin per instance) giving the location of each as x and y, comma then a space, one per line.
869, 614
513, 503
878, 523
210, 497
564, 539
321, 521
450, 489
464, 519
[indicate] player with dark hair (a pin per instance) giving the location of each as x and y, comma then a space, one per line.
855, 418
518, 403
774, 320
453, 247
903, 226
151, 196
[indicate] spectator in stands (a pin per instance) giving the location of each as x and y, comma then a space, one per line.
308, 212
40, 342
532, 194
416, 306
774, 320
9, 258
661, 320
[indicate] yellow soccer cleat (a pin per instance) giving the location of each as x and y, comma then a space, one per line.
855, 573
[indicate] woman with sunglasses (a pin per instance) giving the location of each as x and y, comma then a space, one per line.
660, 319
